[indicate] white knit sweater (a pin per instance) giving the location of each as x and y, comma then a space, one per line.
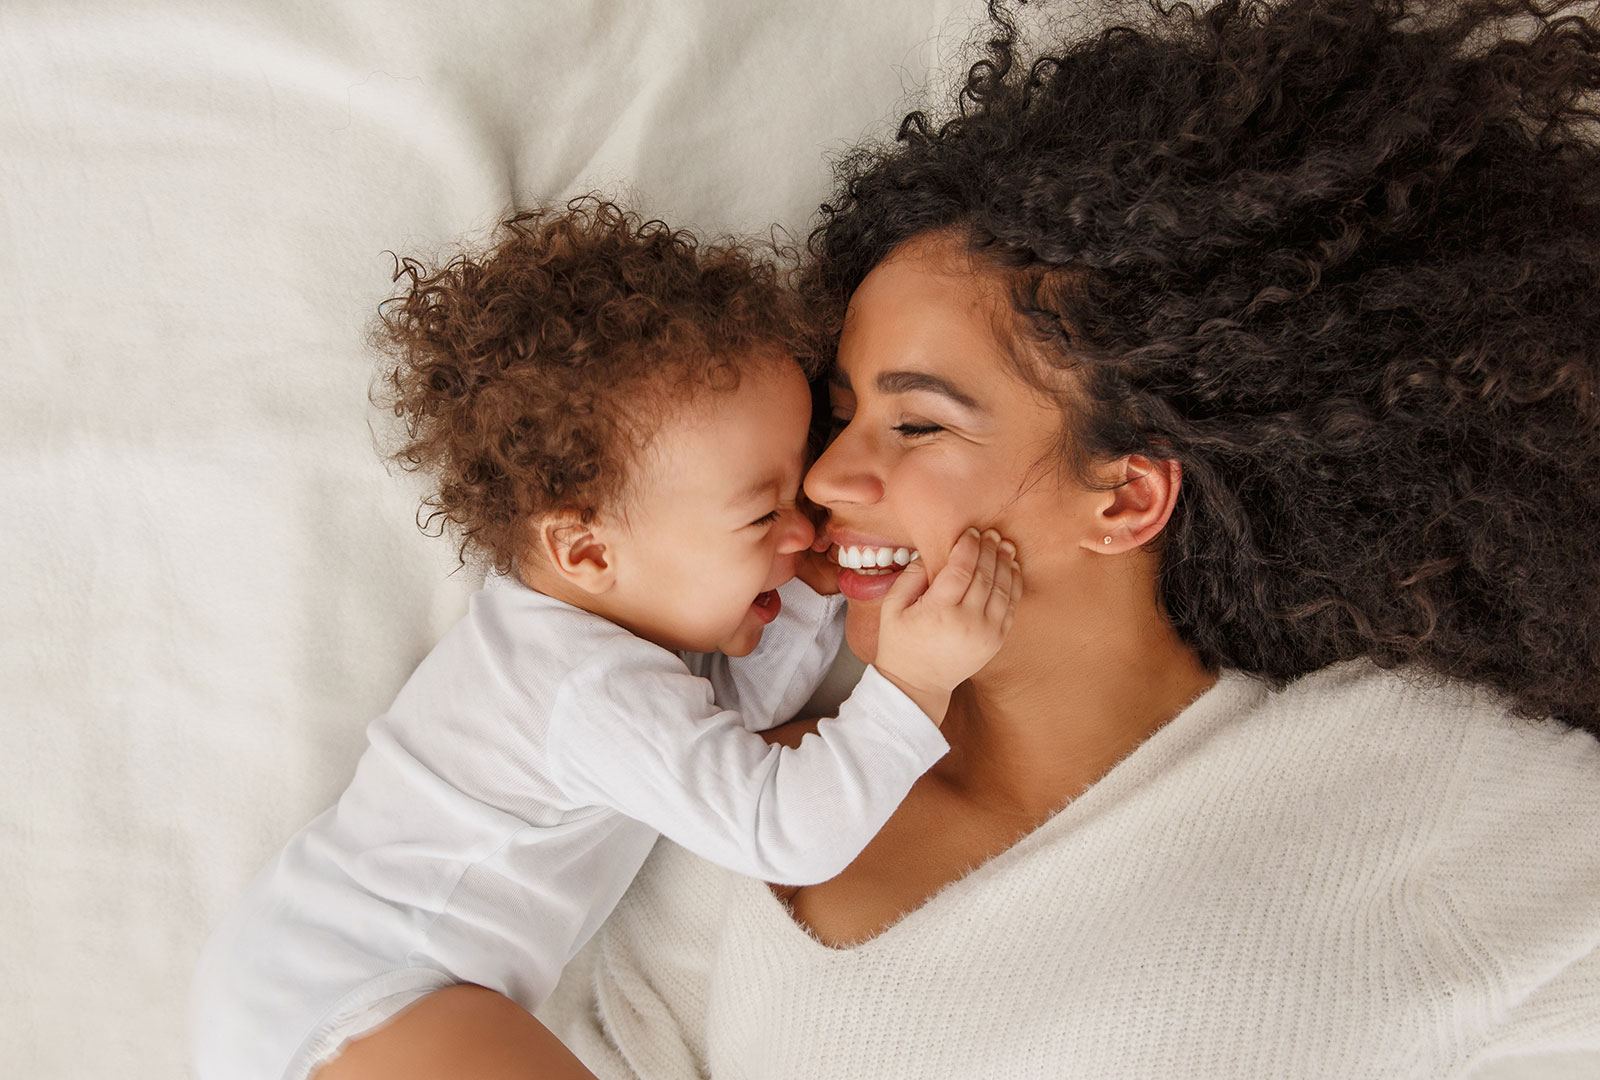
1365, 875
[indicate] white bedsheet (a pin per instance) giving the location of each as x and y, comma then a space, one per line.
211, 583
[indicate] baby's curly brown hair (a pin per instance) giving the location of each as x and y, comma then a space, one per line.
529, 377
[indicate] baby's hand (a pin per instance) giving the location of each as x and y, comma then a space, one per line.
934, 635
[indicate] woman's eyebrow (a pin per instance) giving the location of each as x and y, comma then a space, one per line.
905, 382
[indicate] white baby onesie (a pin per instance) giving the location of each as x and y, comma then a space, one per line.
509, 796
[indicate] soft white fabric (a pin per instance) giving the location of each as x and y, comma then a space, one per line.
509, 795
1365, 875
210, 582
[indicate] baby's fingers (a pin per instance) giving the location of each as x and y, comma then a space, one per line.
1007, 584
908, 585
1016, 598
978, 592
953, 579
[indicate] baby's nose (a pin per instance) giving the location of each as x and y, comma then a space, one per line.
798, 532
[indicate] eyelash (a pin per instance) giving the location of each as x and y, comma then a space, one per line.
765, 519
909, 431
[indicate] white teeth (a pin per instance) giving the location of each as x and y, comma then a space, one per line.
867, 559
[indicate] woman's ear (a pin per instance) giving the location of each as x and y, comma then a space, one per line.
1135, 512
577, 551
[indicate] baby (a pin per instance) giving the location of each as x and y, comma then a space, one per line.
616, 421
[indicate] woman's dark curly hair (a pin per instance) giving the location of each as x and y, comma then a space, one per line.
1338, 258
529, 377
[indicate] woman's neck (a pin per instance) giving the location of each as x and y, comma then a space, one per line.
1066, 699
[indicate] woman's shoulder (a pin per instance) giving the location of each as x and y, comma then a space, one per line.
1409, 709
1496, 812
1516, 843
1499, 755
1508, 788
1511, 873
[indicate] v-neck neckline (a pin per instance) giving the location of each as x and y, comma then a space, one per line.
1233, 692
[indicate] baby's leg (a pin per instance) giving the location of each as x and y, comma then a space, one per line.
463, 1033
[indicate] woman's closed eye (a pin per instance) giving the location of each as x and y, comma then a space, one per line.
907, 429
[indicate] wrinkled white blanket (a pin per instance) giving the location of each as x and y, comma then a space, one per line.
211, 583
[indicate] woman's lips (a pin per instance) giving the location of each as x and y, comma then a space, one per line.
857, 586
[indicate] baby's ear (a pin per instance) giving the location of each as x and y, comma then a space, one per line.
576, 551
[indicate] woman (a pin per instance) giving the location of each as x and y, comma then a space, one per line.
1266, 332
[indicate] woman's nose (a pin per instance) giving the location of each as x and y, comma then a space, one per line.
843, 473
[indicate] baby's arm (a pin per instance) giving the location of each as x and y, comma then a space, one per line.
635, 730
631, 733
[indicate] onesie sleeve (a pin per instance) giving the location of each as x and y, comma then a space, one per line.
634, 730
770, 686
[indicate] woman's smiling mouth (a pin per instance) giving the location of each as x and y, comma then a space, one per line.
868, 559
867, 571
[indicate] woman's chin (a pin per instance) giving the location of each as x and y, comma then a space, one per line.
861, 628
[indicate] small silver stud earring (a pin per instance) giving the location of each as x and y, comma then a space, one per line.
1107, 540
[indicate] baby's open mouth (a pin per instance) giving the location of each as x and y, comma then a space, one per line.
874, 561
767, 605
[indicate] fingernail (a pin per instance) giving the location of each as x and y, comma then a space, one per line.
1007, 546
972, 533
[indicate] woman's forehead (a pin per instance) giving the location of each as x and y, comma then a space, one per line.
925, 307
